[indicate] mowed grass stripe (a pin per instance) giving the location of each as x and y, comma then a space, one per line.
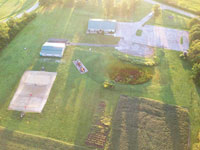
15, 140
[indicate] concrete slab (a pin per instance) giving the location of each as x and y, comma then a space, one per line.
33, 91
153, 36
131, 48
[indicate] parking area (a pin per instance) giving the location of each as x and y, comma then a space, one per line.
135, 49
152, 36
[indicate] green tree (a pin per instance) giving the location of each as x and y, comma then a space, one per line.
124, 8
195, 36
69, 3
195, 28
194, 21
80, 3
194, 52
4, 35
156, 10
196, 73
46, 3
132, 4
13, 27
108, 7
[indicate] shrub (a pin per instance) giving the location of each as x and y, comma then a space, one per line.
194, 52
195, 28
184, 55
181, 40
196, 73
137, 60
194, 21
108, 84
196, 146
139, 32
156, 10
4, 35
195, 36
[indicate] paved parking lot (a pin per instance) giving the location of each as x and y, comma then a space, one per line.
152, 36
131, 48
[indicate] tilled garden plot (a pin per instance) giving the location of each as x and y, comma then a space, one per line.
141, 124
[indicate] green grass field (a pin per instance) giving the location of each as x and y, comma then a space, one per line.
171, 20
32, 142
192, 5
68, 113
11, 8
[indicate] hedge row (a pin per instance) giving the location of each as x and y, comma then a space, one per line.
194, 51
152, 61
9, 29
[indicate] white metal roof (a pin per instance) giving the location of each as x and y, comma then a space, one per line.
62, 45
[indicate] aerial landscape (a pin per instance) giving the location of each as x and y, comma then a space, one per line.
99, 75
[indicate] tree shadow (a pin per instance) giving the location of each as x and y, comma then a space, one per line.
166, 81
5, 135
125, 126
170, 113
172, 122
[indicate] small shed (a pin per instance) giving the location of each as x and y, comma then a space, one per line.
52, 49
102, 26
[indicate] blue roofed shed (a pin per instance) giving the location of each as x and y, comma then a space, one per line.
53, 49
102, 26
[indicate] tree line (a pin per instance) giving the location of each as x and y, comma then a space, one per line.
122, 8
9, 29
193, 54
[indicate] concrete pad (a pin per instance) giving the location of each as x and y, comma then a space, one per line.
153, 36
164, 37
131, 48
33, 91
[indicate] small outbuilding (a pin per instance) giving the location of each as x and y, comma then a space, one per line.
53, 49
102, 26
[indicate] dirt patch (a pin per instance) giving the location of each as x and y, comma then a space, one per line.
129, 74
142, 124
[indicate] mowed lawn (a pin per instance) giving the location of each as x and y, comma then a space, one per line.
69, 111
171, 20
23, 141
193, 5
11, 8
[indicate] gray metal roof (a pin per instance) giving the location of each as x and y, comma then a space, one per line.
52, 49
52, 40
100, 24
